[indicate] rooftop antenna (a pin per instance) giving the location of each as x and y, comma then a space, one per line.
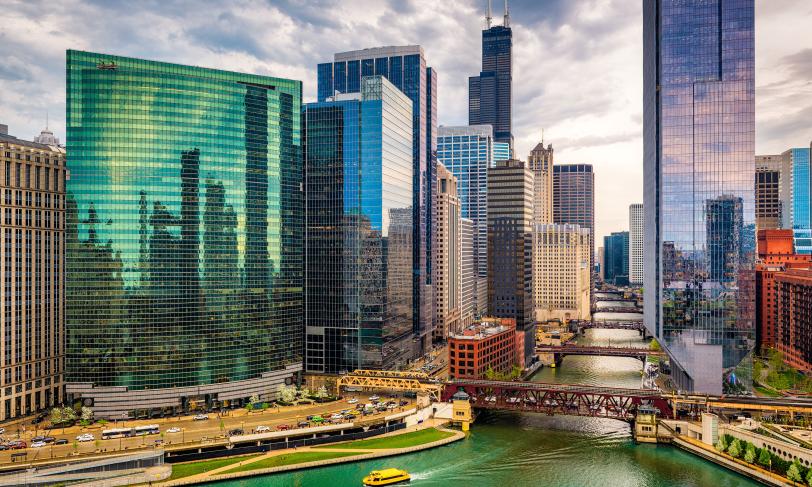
542, 137
488, 17
46, 119
507, 15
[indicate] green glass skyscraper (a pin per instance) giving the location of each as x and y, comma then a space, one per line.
183, 235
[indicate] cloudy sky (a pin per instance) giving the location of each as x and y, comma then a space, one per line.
577, 72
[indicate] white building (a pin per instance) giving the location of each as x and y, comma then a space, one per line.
636, 244
561, 272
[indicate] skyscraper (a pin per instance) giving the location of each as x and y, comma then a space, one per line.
616, 258
183, 235
561, 273
800, 198
358, 239
447, 256
467, 151
32, 324
636, 244
541, 163
510, 247
772, 178
574, 199
468, 274
406, 68
490, 96
698, 69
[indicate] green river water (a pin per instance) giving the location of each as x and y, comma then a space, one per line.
512, 450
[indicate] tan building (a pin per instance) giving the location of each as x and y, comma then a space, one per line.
773, 176
447, 255
541, 162
561, 272
33, 348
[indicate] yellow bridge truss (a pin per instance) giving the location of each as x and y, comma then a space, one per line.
392, 380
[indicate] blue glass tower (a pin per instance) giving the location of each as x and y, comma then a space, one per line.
616, 258
358, 229
699, 244
468, 152
405, 67
800, 210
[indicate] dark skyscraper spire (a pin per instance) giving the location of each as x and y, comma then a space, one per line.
506, 21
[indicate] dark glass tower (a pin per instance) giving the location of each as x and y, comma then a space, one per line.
616, 258
699, 201
490, 95
183, 235
405, 67
358, 230
574, 200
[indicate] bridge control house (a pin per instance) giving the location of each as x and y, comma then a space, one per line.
490, 344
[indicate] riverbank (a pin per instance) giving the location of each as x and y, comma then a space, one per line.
428, 435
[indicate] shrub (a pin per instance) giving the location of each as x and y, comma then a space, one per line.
721, 445
735, 449
794, 472
750, 453
764, 457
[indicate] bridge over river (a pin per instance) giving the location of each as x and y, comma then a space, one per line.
560, 351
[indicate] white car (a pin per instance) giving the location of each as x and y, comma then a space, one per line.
201, 417
374, 398
263, 429
352, 401
173, 430
2, 431
38, 444
336, 416
85, 437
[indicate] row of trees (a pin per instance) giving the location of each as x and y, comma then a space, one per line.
762, 457
62, 415
288, 395
514, 373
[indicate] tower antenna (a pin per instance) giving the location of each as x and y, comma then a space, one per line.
506, 22
488, 17
46, 119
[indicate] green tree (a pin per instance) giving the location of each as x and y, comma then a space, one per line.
750, 453
776, 360
735, 449
764, 457
490, 374
809, 477
654, 345
794, 472
721, 444
86, 413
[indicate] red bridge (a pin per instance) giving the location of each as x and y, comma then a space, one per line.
571, 399
562, 350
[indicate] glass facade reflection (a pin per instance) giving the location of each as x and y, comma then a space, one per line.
183, 233
405, 67
699, 198
468, 152
358, 230
801, 209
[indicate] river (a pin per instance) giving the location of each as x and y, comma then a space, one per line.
512, 450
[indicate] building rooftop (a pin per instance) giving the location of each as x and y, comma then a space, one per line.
34, 145
373, 52
488, 327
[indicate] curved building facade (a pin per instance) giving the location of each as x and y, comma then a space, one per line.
183, 234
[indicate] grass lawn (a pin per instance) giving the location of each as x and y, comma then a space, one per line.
419, 437
180, 470
291, 459
763, 391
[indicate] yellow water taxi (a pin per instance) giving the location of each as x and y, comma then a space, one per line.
388, 476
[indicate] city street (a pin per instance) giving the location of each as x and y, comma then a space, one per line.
192, 431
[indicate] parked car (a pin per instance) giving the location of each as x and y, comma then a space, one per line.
49, 439
3, 447
201, 417
302, 424
282, 427
38, 444
374, 398
337, 416
2, 431
61, 441
262, 429
174, 429
85, 437
37, 439
352, 401
349, 417
17, 445
236, 432
404, 402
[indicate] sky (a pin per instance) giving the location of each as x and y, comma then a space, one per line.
577, 64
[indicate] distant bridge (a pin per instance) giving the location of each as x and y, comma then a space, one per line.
570, 399
559, 351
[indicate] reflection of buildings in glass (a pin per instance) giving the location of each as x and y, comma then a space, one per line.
171, 306
723, 237
699, 174
359, 229
405, 68
616, 258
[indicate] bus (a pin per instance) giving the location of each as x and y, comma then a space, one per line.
150, 429
117, 433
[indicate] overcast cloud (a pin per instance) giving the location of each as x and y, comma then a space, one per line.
577, 75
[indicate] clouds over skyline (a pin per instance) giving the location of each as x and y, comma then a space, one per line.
577, 75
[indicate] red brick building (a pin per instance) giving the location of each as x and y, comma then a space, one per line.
793, 312
776, 254
489, 343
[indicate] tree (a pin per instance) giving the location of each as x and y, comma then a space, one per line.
776, 360
321, 393
735, 449
764, 457
304, 391
750, 453
654, 346
794, 472
86, 413
253, 400
721, 445
287, 393
809, 477
62, 415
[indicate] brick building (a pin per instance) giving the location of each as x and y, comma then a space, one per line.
490, 343
793, 312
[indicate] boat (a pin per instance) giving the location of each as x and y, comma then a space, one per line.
387, 476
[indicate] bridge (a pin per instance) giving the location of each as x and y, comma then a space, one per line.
392, 381
570, 399
560, 351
